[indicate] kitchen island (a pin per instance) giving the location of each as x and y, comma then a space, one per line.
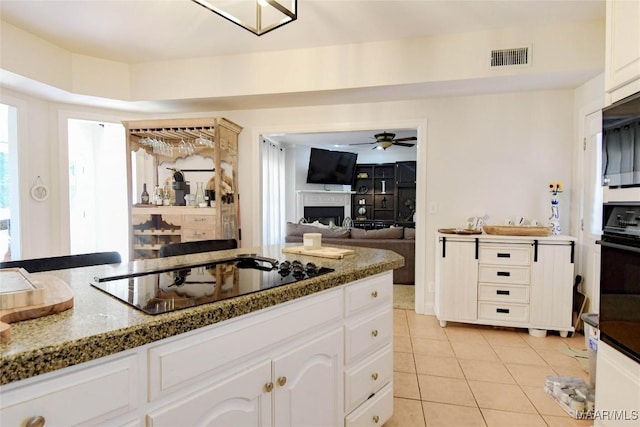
231, 358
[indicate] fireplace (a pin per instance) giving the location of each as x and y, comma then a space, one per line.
324, 214
325, 206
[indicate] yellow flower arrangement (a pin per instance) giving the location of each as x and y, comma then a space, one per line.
555, 187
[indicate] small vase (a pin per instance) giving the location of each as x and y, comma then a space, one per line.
554, 219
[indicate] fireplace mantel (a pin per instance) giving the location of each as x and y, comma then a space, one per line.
323, 198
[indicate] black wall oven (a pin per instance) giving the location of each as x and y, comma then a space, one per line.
620, 278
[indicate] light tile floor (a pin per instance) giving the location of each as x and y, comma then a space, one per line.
469, 375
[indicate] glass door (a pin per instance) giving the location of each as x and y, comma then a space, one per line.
9, 225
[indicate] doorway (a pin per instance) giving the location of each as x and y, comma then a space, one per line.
97, 187
422, 289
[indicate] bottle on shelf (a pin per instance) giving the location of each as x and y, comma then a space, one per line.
166, 196
144, 197
157, 196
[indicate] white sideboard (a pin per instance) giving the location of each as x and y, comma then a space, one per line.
324, 359
517, 281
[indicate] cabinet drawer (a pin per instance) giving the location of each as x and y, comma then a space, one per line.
366, 378
503, 311
191, 235
503, 293
84, 396
504, 255
199, 221
504, 274
374, 412
368, 334
368, 293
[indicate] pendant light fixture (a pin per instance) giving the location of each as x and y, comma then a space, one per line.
257, 16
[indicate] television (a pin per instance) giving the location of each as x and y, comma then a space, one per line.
331, 167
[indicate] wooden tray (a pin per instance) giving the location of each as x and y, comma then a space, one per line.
458, 231
57, 298
516, 230
323, 252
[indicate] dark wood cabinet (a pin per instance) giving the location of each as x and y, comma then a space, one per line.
384, 195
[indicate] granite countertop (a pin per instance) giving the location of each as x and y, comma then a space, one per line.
99, 325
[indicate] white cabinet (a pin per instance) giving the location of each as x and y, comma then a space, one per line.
87, 394
617, 389
304, 374
524, 282
321, 360
240, 400
282, 391
456, 280
622, 67
552, 287
368, 375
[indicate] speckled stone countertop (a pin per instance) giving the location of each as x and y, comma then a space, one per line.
99, 325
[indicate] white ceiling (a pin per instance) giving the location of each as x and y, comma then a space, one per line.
137, 31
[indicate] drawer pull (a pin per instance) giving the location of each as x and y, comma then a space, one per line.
282, 381
374, 294
501, 292
35, 422
504, 255
504, 273
376, 419
374, 376
374, 333
502, 310
268, 387
200, 219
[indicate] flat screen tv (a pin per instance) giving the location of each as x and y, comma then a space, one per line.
331, 167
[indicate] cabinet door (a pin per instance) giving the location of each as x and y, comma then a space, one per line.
406, 172
456, 280
241, 400
623, 45
308, 384
551, 301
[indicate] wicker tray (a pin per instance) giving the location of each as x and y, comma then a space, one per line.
516, 230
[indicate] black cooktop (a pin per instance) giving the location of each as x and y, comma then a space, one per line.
166, 290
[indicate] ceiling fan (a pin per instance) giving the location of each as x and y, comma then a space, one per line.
385, 140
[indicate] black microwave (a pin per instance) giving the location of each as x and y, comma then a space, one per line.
621, 143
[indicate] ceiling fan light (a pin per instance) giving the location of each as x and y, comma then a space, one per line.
385, 144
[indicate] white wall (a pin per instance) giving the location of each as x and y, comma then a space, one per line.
485, 154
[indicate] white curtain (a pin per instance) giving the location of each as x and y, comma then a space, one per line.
273, 216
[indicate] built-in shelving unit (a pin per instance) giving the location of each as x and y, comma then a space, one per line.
385, 194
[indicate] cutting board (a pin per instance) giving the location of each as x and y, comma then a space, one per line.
57, 297
323, 252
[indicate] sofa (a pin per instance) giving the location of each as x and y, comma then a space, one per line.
398, 239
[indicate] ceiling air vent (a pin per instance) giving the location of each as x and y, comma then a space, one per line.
509, 57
